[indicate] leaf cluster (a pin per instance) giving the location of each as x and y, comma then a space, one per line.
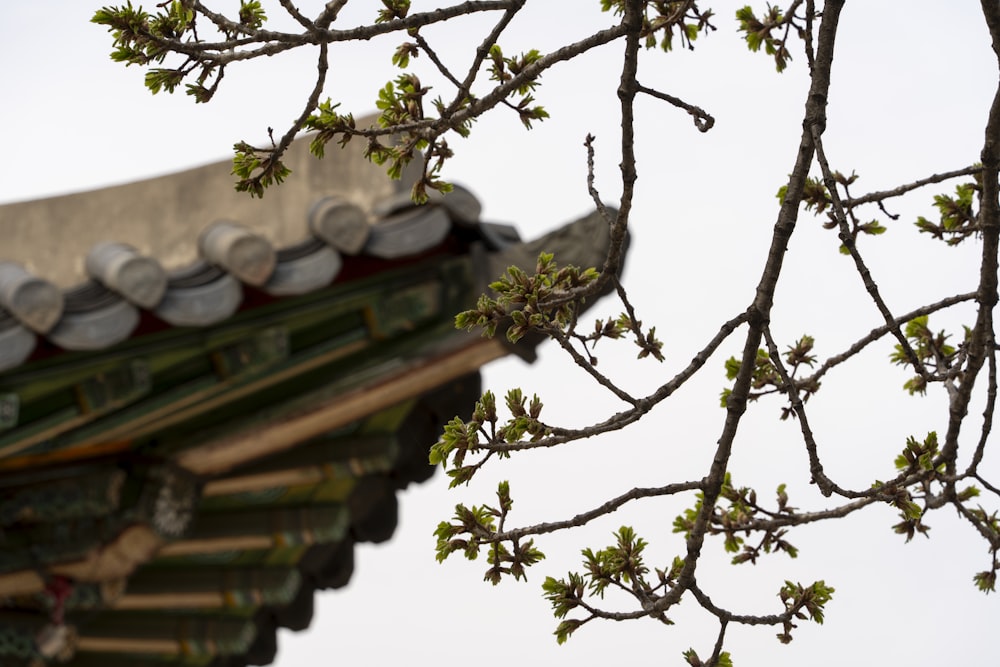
620, 566
770, 31
482, 432
724, 659
661, 19
138, 37
327, 125
924, 484
803, 602
393, 9
529, 302
931, 349
480, 525
957, 215
144, 39
503, 69
920, 455
739, 517
401, 104
986, 581
616, 328
900, 497
257, 168
767, 380
816, 198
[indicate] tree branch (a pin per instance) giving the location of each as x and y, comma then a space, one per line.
878, 332
702, 119
882, 195
608, 507
759, 313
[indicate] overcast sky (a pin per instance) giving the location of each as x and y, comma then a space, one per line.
911, 87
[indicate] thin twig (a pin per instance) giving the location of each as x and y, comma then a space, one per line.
606, 508
882, 195
826, 486
600, 378
643, 405
859, 263
595, 196
988, 412
759, 312
442, 68
880, 331
294, 12
702, 119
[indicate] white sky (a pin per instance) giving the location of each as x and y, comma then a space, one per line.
911, 87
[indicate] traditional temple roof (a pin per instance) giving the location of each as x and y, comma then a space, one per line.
206, 400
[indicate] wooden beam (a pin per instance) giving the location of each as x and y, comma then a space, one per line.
113, 561
267, 480
217, 544
219, 394
209, 587
225, 453
128, 645
120, 437
117, 559
23, 582
183, 600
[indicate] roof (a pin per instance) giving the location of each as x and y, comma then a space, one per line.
86, 271
206, 400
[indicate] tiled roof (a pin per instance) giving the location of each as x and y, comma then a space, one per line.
89, 270
204, 403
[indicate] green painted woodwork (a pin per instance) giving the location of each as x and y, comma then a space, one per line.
18, 631
403, 310
76, 399
88, 659
279, 555
159, 394
115, 387
253, 353
83, 596
10, 409
236, 586
388, 420
78, 492
195, 634
284, 526
355, 453
329, 490
68, 518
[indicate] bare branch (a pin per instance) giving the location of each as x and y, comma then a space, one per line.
988, 412
882, 195
879, 332
591, 188
293, 11
848, 240
702, 119
759, 312
608, 507
442, 68
588, 367
982, 342
643, 405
